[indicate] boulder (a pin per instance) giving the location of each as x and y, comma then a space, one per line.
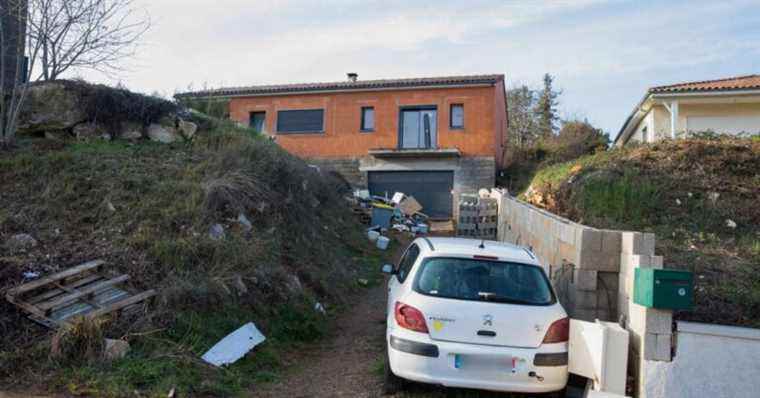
187, 129
57, 135
130, 131
84, 131
50, 106
161, 133
115, 349
20, 242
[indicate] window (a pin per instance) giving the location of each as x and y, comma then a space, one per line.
300, 121
418, 127
644, 135
258, 121
368, 119
456, 116
482, 280
406, 263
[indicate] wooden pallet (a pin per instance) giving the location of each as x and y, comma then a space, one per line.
83, 290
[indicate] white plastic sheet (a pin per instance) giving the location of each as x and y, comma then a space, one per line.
233, 346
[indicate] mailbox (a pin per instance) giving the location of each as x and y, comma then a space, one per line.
663, 288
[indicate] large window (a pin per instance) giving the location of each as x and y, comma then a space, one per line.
484, 280
258, 120
368, 118
300, 121
457, 116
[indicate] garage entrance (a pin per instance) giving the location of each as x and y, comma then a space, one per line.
431, 188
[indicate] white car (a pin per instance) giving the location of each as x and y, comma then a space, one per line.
474, 314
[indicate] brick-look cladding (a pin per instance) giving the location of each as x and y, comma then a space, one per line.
483, 135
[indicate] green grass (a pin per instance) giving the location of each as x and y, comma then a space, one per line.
627, 200
159, 236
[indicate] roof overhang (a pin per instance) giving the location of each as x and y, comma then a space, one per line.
327, 91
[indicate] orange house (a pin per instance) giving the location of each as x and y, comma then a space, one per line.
427, 137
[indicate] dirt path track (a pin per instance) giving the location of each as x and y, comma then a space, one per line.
343, 365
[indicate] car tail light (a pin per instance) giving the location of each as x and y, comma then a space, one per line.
559, 332
410, 318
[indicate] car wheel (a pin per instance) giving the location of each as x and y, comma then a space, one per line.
391, 383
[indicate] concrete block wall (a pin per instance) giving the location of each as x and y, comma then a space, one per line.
583, 262
593, 271
651, 329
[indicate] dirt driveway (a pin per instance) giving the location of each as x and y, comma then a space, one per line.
349, 362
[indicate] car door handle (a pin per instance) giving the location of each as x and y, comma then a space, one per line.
487, 333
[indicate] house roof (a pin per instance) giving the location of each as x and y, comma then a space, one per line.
731, 83
359, 85
737, 83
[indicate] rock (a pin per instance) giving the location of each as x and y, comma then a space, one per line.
20, 242
187, 129
730, 223
130, 131
85, 131
51, 106
240, 285
160, 133
56, 135
110, 207
216, 232
244, 222
115, 349
294, 285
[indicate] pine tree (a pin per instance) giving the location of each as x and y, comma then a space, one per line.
546, 108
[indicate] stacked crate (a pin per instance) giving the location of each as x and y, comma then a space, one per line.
477, 217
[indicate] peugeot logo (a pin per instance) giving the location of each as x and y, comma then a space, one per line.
487, 320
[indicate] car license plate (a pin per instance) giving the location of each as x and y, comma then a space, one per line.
486, 362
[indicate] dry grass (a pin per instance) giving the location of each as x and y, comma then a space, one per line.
305, 246
685, 191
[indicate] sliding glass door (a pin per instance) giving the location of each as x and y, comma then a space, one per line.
418, 128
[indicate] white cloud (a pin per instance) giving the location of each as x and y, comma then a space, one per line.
604, 55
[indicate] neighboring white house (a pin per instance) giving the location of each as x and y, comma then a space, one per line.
725, 106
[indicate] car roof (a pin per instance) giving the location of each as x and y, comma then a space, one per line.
439, 246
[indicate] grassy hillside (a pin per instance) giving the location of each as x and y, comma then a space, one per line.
147, 208
698, 196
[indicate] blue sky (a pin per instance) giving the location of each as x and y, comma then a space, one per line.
603, 53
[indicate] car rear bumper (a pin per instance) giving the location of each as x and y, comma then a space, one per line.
411, 357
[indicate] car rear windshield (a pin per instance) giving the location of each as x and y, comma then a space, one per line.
484, 280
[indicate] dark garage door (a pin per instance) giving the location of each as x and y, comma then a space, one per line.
431, 188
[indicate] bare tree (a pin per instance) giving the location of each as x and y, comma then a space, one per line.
18, 54
84, 34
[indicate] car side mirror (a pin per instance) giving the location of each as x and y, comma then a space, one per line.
388, 269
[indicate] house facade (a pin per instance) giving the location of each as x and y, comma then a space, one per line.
427, 137
724, 106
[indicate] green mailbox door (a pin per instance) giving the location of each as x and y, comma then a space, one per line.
663, 288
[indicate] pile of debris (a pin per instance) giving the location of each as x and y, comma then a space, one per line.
400, 213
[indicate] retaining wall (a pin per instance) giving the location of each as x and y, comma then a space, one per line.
583, 262
587, 265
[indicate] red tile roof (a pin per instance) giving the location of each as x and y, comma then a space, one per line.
363, 85
731, 83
